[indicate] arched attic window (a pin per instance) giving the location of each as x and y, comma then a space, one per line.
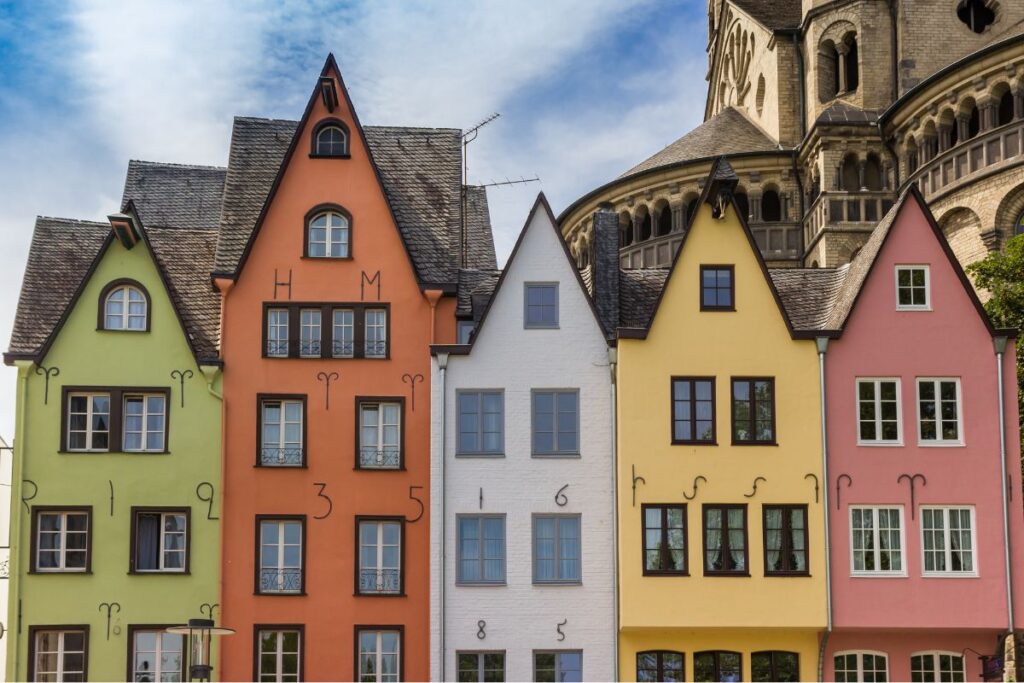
328, 233
771, 206
124, 307
330, 139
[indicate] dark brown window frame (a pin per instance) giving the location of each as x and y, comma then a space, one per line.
725, 538
664, 507
774, 441
322, 208
135, 511
135, 628
256, 566
260, 398
401, 556
116, 435
732, 286
256, 628
33, 630
785, 539
101, 313
327, 123
34, 541
661, 664
374, 627
400, 400
718, 667
771, 654
327, 329
693, 415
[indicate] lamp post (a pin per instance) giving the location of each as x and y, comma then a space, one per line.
200, 632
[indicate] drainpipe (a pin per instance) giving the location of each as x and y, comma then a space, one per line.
1000, 348
442, 364
14, 563
613, 357
801, 68
822, 343
224, 285
433, 296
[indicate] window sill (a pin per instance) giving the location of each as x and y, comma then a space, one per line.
786, 575
914, 309
357, 468
481, 584
261, 466
665, 574
379, 595
878, 575
949, 575
300, 594
268, 357
108, 452
307, 257
313, 155
694, 443
157, 572
60, 572
717, 309
941, 444
557, 583
540, 327
742, 575
484, 456
880, 444
556, 456
755, 443
104, 329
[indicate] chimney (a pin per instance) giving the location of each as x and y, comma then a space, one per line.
606, 267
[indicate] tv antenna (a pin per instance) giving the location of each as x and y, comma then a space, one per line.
506, 181
467, 137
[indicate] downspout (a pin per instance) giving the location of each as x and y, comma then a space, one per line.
225, 286
801, 69
433, 296
14, 563
442, 364
613, 357
822, 343
1000, 348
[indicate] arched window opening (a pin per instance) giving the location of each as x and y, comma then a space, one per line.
125, 308
645, 227
828, 71
850, 178
691, 209
1018, 227
852, 66
664, 221
330, 139
973, 122
771, 207
328, 235
625, 230
911, 158
976, 15
744, 205
1005, 112
873, 174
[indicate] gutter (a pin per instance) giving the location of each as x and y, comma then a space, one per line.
822, 343
442, 364
1000, 349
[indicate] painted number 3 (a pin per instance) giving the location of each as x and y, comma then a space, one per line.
481, 632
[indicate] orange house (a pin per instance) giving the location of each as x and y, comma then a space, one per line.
338, 261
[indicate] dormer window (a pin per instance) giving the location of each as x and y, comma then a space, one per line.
330, 139
328, 234
124, 307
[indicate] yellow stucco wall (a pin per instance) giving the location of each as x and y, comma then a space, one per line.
751, 341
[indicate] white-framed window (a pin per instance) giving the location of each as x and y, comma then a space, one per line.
277, 332
157, 656
329, 235
939, 412
935, 666
62, 540
309, 333
876, 540
379, 656
88, 422
281, 556
280, 655
879, 418
380, 435
376, 330
161, 541
125, 309
913, 288
343, 336
281, 432
948, 541
380, 557
861, 667
144, 422
59, 655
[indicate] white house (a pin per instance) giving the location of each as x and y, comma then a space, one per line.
522, 525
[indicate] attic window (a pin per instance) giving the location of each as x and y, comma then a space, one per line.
328, 233
124, 306
976, 14
330, 139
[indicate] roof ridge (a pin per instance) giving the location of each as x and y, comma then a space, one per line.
195, 167
77, 221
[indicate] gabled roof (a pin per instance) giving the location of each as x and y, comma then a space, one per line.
809, 294
475, 290
175, 195
479, 237
639, 291
773, 14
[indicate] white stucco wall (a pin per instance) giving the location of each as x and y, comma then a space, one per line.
521, 617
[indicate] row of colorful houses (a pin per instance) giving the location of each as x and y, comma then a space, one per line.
296, 397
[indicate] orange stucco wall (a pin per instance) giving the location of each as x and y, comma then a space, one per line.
329, 610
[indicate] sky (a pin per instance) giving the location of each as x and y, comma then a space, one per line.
585, 88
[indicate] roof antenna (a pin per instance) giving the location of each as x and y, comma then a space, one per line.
467, 137
506, 181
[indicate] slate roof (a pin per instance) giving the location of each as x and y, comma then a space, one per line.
175, 195
773, 14
841, 113
639, 290
475, 290
727, 132
808, 294
480, 253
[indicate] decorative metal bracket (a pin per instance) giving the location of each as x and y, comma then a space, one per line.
181, 376
418, 502
693, 494
481, 497
49, 372
811, 475
279, 283
561, 500
208, 608
209, 507
561, 635
110, 482
321, 494
110, 606
412, 380
635, 480
35, 491
912, 478
364, 280
849, 484
753, 492
327, 378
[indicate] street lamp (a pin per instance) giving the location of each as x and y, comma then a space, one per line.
200, 632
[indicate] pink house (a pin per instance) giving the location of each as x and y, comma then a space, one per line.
915, 464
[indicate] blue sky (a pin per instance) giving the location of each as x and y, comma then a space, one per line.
585, 88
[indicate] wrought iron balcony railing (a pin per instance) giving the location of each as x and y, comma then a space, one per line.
342, 348
382, 459
380, 581
309, 348
277, 347
376, 349
280, 580
280, 457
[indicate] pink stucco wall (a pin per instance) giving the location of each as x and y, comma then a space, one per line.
951, 340
899, 646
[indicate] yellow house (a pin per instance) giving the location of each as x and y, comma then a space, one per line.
721, 503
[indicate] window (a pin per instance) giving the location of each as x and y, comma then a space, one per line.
58, 653
725, 540
912, 288
785, 539
541, 307
481, 666
877, 540
562, 666
125, 307
281, 554
328, 235
279, 655
481, 549
931, 667
376, 333
282, 432
144, 422
693, 410
277, 332
380, 557
717, 288
160, 540
481, 418
309, 333
380, 434
556, 549
89, 422
857, 667
878, 412
343, 339
330, 140
664, 539
938, 412
977, 15
774, 665
464, 331
63, 539
947, 537
556, 422
753, 410
717, 665
659, 665
156, 655
379, 655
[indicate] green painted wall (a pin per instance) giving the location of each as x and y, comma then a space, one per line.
86, 356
